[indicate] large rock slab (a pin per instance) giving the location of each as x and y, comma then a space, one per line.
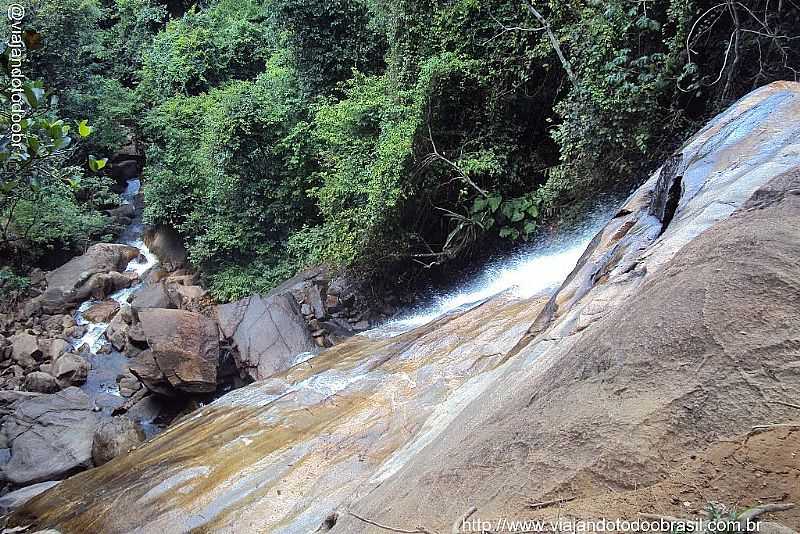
269, 333
80, 277
50, 436
185, 346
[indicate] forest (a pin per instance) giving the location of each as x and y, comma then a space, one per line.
391, 136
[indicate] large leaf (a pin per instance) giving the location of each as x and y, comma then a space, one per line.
97, 164
84, 130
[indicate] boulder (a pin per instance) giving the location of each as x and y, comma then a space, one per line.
269, 333
125, 170
117, 332
144, 367
102, 312
167, 245
151, 296
57, 348
25, 349
128, 384
126, 211
51, 437
114, 437
65, 285
13, 500
40, 382
185, 346
70, 369
189, 296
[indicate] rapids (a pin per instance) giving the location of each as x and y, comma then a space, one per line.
101, 384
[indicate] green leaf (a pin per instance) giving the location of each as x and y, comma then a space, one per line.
529, 228
97, 164
61, 142
517, 216
33, 143
508, 232
494, 202
479, 205
84, 130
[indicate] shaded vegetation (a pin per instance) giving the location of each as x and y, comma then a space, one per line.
391, 135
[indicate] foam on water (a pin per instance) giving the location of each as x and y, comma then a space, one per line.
531, 272
132, 236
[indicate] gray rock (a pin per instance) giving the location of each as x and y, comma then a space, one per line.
128, 384
152, 296
81, 276
117, 332
70, 369
25, 349
41, 382
51, 437
57, 348
114, 437
15, 499
268, 332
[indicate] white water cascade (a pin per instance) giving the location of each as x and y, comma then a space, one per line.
132, 236
101, 384
530, 272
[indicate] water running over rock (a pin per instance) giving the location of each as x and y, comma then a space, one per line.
101, 384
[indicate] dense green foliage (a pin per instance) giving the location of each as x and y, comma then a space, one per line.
45, 203
284, 133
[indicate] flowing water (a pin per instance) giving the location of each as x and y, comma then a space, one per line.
531, 271
101, 384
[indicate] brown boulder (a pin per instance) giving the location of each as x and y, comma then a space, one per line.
167, 245
102, 312
57, 348
117, 332
144, 367
185, 346
269, 333
40, 382
70, 369
189, 295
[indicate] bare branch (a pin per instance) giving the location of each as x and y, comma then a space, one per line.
553, 40
438, 155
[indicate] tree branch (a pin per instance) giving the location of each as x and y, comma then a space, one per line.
554, 41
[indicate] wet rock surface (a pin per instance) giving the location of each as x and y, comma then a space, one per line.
13, 500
